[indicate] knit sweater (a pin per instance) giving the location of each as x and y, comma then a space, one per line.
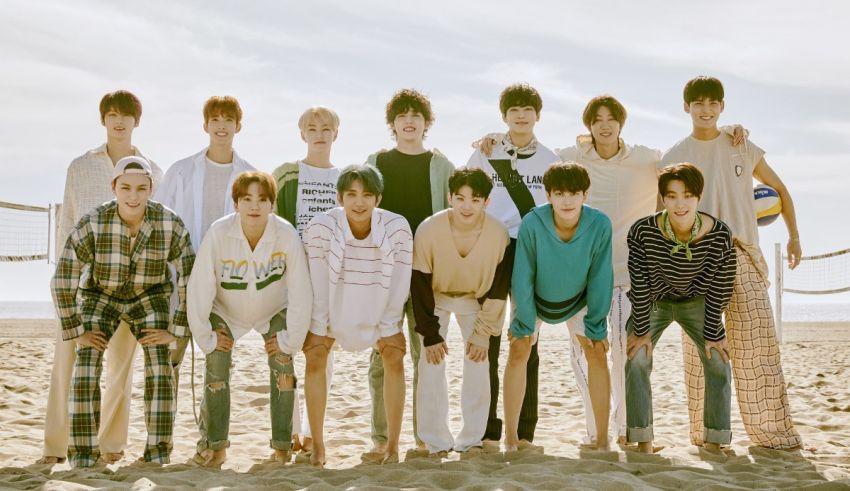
88, 184
484, 274
360, 286
247, 288
553, 279
656, 274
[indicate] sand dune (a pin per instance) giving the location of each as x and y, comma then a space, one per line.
817, 375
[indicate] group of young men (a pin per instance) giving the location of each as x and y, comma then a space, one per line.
312, 255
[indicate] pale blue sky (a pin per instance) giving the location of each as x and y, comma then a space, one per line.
785, 65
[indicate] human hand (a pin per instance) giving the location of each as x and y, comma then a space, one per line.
476, 353
721, 348
435, 354
272, 347
794, 252
485, 144
635, 343
224, 342
92, 339
588, 344
156, 336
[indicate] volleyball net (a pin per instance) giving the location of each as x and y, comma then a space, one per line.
27, 232
822, 274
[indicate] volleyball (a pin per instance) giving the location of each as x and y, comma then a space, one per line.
768, 204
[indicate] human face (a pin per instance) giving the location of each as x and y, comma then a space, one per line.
566, 205
132, 192
119, 126
254, 207
521, 119
467, 209
410, 126
681, 205
604, 128
318, 135
222, 128
704, 113
359, 204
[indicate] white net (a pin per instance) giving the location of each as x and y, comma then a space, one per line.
24, 232
818, 275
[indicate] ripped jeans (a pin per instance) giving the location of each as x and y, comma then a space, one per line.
214, 425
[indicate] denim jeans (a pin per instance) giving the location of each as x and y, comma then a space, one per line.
690, 314
214, 424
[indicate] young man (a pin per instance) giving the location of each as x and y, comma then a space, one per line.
307, 188
415, 187
516, 165
562, 269
197, 188
728, 196
360, 265
250, 273
624, 181
460, 267
87, 185
682, 266
116, 259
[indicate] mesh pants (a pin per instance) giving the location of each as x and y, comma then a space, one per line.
756, 368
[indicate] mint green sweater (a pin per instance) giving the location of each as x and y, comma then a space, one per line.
554, 280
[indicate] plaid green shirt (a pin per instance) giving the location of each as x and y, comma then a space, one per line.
99, 261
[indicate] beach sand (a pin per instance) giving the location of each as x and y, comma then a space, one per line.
818, 377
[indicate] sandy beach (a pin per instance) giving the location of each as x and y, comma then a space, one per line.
817, 375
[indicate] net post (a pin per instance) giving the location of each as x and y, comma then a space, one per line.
777, 285
49, 228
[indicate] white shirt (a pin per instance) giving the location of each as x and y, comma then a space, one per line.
316, 193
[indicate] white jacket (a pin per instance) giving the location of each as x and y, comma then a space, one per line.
624, 187
182, 190
247, 288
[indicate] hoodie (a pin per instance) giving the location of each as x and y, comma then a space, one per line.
554, 280
624, 187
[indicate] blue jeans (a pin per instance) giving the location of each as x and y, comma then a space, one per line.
690, 314
214, 424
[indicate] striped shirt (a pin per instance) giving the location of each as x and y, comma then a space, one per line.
100, 260
360, 286
656, 274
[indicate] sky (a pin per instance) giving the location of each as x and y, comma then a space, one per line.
785, 67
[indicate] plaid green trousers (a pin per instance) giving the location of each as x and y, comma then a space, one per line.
100, 313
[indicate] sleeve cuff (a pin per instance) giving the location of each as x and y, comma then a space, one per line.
517, 330
74, 332
480, 340
432, 340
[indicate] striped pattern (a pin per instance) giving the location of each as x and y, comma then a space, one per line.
99, 259
656, 274
756, 367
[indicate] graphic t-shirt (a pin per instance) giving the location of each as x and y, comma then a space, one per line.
316, 193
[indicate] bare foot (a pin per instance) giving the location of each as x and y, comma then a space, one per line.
645, 447
49, 459
511, 446
296, 442
307, 444
282, 456
216, 459
527, 445
442, 454
391, 457
317, 458
112, 457
712, 448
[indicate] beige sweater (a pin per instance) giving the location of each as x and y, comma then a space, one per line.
88, 184
483, 274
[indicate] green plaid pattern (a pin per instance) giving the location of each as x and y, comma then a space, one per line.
99, 261
160, 404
